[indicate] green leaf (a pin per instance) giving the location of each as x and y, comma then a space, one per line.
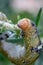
15, 40
38, 17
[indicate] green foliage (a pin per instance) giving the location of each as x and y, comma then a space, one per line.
38, 17
16, 37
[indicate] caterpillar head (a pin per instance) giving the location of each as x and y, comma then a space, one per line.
24, 24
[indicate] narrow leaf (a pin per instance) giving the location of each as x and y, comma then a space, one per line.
38, 17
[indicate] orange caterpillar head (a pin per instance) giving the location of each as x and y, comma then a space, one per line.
24, 23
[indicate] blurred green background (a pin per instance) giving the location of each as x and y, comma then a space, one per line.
15, 13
